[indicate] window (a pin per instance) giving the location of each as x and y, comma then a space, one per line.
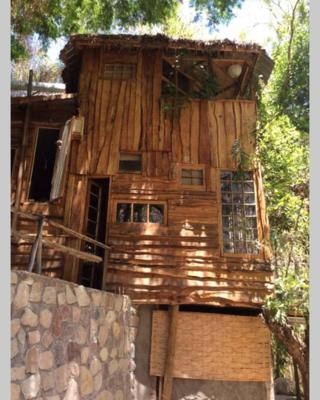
192, 177
188, 76
173, 78
43, 165
130, 162
239, 219
140, 213
119, 71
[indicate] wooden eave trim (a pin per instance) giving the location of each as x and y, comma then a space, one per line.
77, 43
39, 99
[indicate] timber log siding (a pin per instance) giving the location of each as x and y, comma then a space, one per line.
181, 260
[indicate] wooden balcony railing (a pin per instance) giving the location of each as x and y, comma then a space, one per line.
38, 240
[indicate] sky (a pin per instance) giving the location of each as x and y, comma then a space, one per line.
250, 24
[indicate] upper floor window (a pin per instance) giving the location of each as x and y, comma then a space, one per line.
189, 77
192, 176
119, 71
140, 213
239, 220
130, 162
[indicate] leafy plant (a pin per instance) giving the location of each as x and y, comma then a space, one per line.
51, 19
283, 150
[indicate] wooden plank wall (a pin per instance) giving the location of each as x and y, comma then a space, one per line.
213, 347
180, 261
126, 115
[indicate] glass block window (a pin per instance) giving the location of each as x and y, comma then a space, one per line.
192, 177
140, 213
119, 71
239, 220
130, 163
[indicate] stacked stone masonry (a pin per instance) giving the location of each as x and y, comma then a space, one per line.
68, 342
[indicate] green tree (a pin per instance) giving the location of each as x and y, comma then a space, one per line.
283, 149
44, 70
50, 19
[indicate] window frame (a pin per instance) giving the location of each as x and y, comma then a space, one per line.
119, 63
260, 251
66, 133
145, 202
193, 82
131, 153
194, 167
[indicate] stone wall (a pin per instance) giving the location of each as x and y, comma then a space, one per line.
68, 342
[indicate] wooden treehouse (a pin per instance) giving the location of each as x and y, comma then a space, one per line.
144, 181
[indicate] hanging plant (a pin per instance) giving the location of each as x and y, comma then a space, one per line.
242, 159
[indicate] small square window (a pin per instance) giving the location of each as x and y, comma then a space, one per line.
118, 71
130, 163
192, 177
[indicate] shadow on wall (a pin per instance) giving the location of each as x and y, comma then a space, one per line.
145, 385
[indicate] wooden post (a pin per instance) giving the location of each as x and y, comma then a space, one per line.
104, 272
35, 245
39, 252
171, 349
22, 156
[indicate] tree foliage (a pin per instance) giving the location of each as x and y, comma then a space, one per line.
44, 70
283, 149
50, 19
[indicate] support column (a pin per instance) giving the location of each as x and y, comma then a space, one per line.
171, 349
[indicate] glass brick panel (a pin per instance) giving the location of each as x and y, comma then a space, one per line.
238, 212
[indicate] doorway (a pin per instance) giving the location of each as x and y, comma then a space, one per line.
91, 274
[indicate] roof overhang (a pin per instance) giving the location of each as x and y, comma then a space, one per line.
225, 48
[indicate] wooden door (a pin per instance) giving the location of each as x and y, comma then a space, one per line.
91, 274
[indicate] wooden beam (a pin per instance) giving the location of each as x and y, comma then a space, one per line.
57, 246
35, 245
171, 348
77, 234
39, 251
40, 99
23, 151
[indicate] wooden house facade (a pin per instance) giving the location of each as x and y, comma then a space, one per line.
158, 138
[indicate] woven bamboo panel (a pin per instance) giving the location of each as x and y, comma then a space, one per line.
213, 347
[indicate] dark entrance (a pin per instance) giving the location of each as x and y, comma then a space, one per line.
91, 274
44, 159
